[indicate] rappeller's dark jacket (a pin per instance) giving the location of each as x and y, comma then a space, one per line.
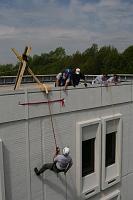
75, 78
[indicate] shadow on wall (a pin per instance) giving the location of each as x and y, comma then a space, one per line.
6, 161
65, 191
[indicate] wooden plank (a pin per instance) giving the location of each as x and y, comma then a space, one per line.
20, 74
17, 54
22, 66
43, 87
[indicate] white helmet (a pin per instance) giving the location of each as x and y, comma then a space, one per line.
77, 71
66, 151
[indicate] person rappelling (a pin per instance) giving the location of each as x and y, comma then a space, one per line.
61, 162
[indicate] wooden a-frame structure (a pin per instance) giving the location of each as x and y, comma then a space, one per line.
23, 65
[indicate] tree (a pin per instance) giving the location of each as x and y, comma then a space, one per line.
108, 59
92, 61
127, 57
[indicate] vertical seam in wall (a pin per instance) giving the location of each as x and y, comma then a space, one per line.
131, 92
43, 159
128, 134
131, 114
28, 174
2, 182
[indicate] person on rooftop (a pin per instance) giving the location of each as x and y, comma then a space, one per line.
64, 78
100, 79
61, 162
114, 79
77, 76
70, 77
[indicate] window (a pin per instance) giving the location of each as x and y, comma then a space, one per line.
110, 149
88, 156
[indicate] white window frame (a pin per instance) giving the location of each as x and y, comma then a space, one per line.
2, 185
89, 185
112, 195
111, 174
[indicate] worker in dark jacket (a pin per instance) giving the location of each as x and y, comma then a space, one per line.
76, 77
70, 77
61, 162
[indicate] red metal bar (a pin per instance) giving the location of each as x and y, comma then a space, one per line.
41, 102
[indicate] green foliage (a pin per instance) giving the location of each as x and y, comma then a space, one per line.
93, 60
6, 69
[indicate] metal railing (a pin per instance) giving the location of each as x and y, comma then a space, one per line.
5, 80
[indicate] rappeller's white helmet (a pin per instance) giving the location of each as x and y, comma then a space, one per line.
66, 151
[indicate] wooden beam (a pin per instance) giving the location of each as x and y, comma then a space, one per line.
43, 87
23, 66
20, 74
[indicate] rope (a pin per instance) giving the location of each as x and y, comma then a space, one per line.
50, 112
66, 185
51, 119
53, 130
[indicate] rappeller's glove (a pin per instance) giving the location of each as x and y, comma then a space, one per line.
57, 150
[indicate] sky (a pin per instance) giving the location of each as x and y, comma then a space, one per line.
71, 24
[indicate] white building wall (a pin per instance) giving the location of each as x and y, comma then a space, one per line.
28, 139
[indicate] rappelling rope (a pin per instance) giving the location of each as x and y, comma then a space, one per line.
51, 119
53, 130
66, 185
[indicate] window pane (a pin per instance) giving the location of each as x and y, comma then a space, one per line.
88, 156
110, 148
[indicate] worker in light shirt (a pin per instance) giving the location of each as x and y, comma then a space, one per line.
114, 79
100, 79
